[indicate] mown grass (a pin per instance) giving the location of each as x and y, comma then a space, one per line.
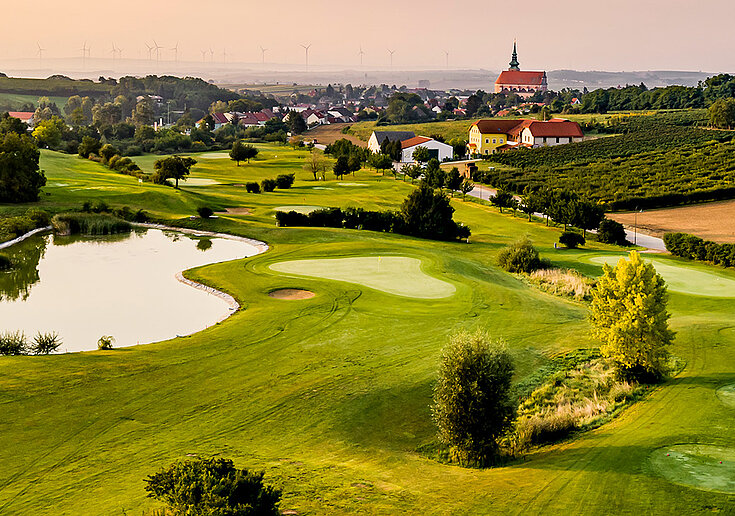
331, 395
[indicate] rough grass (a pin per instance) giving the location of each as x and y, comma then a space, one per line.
89, 224
563, 282
331, 395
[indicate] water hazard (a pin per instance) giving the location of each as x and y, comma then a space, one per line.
123, 285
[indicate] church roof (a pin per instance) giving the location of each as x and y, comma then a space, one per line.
520, 77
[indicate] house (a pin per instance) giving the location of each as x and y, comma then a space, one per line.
24, 116
490, 136
486, 136
315, 118
522, 83
221, 119
438, 150
378, 137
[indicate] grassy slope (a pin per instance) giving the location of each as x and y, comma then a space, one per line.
330, 395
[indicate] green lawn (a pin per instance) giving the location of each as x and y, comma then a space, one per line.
330, 395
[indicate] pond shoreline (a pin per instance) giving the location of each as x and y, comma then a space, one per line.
19, 239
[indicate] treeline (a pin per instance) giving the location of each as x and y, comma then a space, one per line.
651, 179
425, 213
695, 248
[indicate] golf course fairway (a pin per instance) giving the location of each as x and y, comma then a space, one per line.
399, 275
330, 395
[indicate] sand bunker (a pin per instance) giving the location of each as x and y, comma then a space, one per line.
352, 184
726, 393
215, 155
298, 209
291, 294
199, 181
684, 279
237, 211
397, 275
702, 466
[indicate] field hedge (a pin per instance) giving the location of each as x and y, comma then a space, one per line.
694, 248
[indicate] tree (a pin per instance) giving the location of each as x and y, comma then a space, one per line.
414, 172
472, 398
421, 154
354, 163
519, 257
428, 214
296, 122
611, 232
503, 199
341, 166
173, 167
238, 152
453, 180
571, 240
89, 146
588, 216
466, 187
722, 113
143, 114
315, 163
49, 132
20, 178
205, 487
629, 316
9, 124
284, 181
380, 162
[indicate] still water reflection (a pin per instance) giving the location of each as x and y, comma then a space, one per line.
123, 286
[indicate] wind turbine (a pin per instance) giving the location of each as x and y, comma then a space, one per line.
85, 51
40, 55
224, 55
211, 54
175, 48
391, 52
306, 51
114, 54
150, 51
361, 53
446, 55
204, 56
262, 54
157, 48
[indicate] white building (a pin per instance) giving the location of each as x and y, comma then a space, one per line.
378, 137
438, 150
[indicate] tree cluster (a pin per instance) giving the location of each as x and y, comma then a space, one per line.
695, 248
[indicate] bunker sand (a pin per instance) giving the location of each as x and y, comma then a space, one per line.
398, 275
291, 294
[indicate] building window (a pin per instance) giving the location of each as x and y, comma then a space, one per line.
501, 140
493, 140
487, 140
485, 151
557, 140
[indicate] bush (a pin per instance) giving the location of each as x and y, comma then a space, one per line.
284, 181
291, 218
252, 187
45, 343
213, 486
611, 232
472, 398
105, 342
268, 185
571, 240
326, 218
13, 343
519, 257
694, 248
126, 213
205, 212
5, 263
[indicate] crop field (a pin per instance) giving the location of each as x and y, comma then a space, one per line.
713, 221
14, 101
330, 394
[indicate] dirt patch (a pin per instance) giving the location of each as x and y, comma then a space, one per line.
712, 221
291, 294
237, 211
327, 134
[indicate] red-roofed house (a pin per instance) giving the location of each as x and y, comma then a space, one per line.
490, 136
522, 83
24, 116
438, 150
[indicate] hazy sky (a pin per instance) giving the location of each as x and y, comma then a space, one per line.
600, 35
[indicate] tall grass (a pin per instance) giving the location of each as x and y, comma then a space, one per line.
563, 282
13, 343
89, 224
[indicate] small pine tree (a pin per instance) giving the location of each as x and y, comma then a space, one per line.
629, 316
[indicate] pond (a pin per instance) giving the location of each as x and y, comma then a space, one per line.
122, 285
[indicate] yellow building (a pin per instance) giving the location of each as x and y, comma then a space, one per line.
487, 135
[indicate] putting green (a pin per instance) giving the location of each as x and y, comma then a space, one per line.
702, 466
726, 393
298, 209
397, 275
688, 280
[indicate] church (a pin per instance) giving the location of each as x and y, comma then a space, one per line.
523, 84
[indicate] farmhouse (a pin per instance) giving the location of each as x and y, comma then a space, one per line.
24, 116
378, 137
438, 150
490, 136
522, 83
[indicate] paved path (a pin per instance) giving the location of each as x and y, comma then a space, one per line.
643, 240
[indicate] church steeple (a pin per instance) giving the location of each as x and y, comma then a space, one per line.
514, 60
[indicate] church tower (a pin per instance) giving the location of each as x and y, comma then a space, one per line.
514, 59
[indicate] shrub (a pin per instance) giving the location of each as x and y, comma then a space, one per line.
284, 181
126, 213
205, 212
13, 343
45, 343
213, 486
105, 342
519, 257
100, 207
327, 217
472, 403
611, 232
39, 218
571, 240
291, 218
252, 187
694, 248
5, 263
268, 185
